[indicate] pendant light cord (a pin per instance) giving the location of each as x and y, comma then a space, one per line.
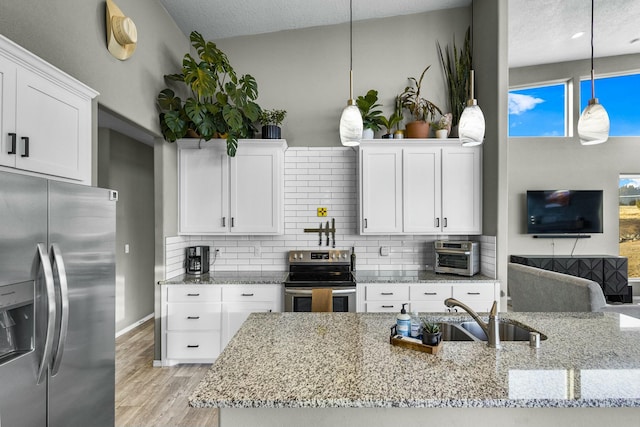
350, 49
593, 77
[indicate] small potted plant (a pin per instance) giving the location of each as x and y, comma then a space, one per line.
271, 121
389, 123
371, 118
443, 126
430, 333
420, 108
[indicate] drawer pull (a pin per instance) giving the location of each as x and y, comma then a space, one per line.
193, 346
431, 293
386, 293
387, 306
473, 293
193, 317
193, 295
247, 295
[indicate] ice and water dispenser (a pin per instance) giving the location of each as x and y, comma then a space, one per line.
16, 320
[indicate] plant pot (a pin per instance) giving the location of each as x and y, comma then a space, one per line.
431, 339
367, 133
454, 132
271, 132
417, 129
442, 133
192, 133
399, 134
387, 136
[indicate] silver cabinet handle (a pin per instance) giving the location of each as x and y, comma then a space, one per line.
51, 311
58, 263
247, 295
305, 292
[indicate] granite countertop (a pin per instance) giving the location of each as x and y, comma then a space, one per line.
229, 278
325, 360
416, 276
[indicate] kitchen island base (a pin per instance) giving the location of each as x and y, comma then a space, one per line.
451, 417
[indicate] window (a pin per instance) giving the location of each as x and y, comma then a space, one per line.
629, 220
618, 95
538, 111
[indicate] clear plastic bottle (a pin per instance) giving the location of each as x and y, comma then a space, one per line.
415, 324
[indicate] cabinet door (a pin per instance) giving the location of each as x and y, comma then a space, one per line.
7, 111
421, 189
256, 191
461, 190
203, 190
235, 313
381, 190
57, 123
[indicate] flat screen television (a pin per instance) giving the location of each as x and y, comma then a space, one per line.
564, 211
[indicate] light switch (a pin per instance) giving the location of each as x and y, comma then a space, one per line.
126, 248
384, 250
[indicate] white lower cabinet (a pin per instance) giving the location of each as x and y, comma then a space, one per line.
242, 300
199, 320
426, 297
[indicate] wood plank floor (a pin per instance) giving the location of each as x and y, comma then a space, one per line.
154, 397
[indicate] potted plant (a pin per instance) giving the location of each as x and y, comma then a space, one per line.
389, 123
456, 65
220, 102
371, 118
271, 121
430, 333
420, 108
443, 126
399, 133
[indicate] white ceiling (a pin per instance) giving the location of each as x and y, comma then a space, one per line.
539, 31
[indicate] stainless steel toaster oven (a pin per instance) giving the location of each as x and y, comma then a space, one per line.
453, 257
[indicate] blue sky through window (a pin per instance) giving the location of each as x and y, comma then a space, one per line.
618, 96
538, 111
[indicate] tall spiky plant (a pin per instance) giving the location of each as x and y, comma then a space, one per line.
456, 64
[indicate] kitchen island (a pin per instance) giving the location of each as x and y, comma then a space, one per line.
339, 369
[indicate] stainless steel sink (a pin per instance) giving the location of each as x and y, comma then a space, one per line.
508, 331
452, 332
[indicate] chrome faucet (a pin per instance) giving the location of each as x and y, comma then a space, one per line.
491, 330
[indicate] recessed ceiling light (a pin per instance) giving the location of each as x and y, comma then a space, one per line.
577, 35
636, 40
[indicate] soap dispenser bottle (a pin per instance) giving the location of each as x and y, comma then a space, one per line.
403, 323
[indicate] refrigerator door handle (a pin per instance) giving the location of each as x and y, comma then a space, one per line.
51, 314
58, 262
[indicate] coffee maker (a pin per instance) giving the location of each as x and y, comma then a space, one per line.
197, 260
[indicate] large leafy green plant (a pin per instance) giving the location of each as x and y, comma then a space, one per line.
220, 103
371, 118
456, 64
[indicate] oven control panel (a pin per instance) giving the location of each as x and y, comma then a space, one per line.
319, 256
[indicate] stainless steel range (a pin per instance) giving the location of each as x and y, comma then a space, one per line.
319, 269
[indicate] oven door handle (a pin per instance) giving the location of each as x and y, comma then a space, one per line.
309, 291
452, 252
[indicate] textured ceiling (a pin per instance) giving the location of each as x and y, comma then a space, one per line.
539, 31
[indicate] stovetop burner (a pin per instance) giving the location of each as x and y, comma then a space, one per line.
320, 268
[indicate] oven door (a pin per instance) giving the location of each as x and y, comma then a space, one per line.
298, 299
456, 262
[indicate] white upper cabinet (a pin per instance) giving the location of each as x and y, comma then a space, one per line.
231, 195
45, 118
420, 187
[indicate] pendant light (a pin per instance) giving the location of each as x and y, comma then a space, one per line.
471, 124
593, 126
351, 119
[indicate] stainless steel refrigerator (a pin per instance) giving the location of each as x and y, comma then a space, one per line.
57, 303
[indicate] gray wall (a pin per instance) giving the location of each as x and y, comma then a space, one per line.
306, 72
127, 166
71, 35
548, 163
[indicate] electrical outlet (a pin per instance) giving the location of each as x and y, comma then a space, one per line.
322, 211
384, 250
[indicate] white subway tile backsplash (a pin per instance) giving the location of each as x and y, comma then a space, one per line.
319, 177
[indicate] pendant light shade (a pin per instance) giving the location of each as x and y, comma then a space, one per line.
471, 124
593, 126
351, 119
